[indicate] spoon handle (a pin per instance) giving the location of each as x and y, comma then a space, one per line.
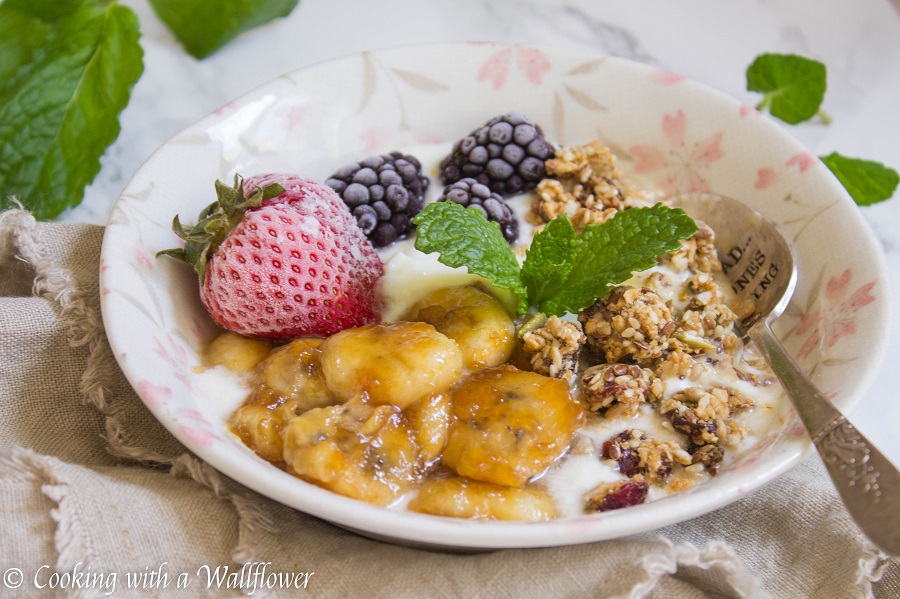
867, 481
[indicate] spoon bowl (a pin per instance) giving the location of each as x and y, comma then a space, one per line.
755, 257
760, 268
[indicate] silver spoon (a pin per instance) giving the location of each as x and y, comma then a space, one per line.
758, 262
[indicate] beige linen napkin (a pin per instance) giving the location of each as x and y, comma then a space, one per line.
96, 493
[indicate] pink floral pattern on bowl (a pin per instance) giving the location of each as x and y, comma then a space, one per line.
531, 62
679, 166
664, 128
831, 316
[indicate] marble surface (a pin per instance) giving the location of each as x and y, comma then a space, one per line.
711, 41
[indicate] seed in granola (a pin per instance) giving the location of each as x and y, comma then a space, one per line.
687, 422
623, 450
752, 378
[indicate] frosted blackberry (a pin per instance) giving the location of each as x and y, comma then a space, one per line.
469, 192
384, 193
507, 154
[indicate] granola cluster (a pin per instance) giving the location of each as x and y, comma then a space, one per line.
586, 184
553, 348
619, 388
697, 253
637, 454
706, 415
632, 323
707, 322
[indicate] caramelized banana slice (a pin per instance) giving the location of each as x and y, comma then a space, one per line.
430, 419
294, 372
510, 425
396, 364
361, 451
473, 318
461, 498
259, 426
238, 354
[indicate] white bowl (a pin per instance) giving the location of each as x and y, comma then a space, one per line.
671, 131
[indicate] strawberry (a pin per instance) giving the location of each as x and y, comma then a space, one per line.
280, 257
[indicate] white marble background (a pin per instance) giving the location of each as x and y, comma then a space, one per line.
712, 41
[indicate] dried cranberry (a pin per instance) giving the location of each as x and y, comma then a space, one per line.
629, 493
619, 448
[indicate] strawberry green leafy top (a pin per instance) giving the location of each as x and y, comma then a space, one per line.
216, 221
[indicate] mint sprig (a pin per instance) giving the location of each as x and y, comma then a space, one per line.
610, 253
866, 181
793, 86
563, 272
66, 72
67, 68
204, 26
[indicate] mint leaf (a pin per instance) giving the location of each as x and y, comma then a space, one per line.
608, 254
48, 10
464, 237
549, 260
204, 26
793, 87
66, 72
867, 182
563, 272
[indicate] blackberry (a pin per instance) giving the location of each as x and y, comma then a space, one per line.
469, 192
384, 193
507, 154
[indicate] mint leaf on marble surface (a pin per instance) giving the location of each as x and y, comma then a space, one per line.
866, 181
793, 86
465, 237
609, 253
66, 72
204, 26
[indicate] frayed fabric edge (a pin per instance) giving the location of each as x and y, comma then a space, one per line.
714, 554
18, 236
10, 222
70, 538
250, 518
871, 566
84, 326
